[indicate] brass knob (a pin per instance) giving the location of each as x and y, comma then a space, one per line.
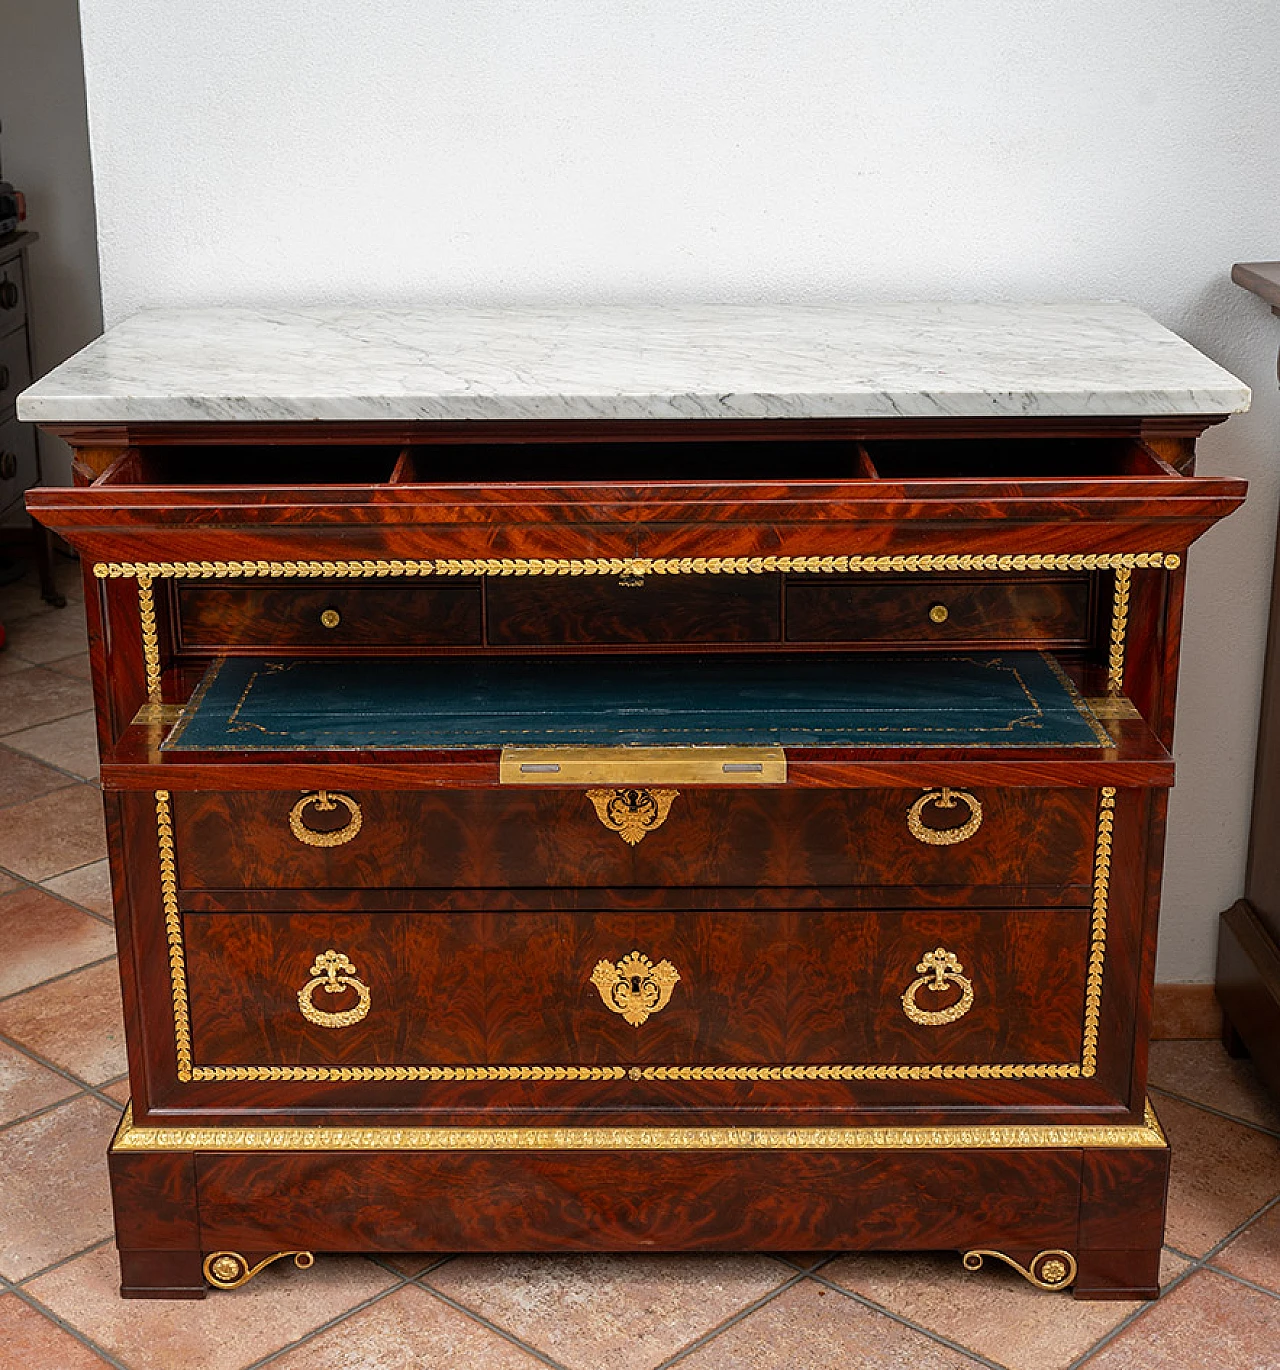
939, 613
330, 618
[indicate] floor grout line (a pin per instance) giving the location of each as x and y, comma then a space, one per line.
804, 1269
939, 1337
1236, 1231
84, 1085
40, 1112
53, 789
53, 979
30, 884
1197, 1264
1217, 1112
6, 738
740, 1316
61, 1261
485, 1322
381, 1259
1129, 1319
1240, 1279
327, 1326
83, 1338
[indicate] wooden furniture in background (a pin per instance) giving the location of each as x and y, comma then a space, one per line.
399, 998
1248, 976
20, 466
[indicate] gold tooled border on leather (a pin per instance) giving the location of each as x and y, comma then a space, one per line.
1147, 1134
1084, 1068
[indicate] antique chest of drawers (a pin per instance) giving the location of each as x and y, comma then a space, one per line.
669, 779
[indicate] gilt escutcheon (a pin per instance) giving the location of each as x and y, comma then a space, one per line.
634, 987
632, 813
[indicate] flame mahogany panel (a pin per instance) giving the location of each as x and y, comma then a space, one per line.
528, 837
795, 916
754, 988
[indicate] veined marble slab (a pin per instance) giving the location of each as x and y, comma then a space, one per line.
633, 362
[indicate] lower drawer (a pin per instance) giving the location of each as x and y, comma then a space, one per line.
751, 988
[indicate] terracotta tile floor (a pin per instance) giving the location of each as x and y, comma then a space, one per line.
61, 1091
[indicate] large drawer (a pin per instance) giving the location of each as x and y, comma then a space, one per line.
644, 838
880, 987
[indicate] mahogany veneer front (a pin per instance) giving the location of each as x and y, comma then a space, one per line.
795, 916
511, 987
764, 837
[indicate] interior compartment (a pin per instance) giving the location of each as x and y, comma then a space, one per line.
254, 464
551, 463
1017, 459
734, 459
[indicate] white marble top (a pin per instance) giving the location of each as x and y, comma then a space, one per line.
633, 362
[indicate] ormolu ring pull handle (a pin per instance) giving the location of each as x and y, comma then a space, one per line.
324, 800
944, 798
937, 969
335, 973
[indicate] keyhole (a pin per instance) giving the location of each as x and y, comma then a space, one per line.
635, 984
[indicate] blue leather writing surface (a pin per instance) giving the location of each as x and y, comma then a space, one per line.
1008, 699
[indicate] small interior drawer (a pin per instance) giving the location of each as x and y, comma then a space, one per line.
948, 610
328, 615
660, 609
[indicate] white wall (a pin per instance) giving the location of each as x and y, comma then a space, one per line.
46, 155
335, 150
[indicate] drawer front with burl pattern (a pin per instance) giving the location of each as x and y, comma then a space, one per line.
642, 837
614, 995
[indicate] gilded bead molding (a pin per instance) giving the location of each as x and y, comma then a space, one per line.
1085, 1067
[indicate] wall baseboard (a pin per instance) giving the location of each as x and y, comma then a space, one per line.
1182, 1012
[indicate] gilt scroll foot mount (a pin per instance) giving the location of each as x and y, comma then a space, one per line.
1052, 1269
229, 1269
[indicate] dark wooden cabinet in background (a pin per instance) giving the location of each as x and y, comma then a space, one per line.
1248, 974
20, 464
402, 995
